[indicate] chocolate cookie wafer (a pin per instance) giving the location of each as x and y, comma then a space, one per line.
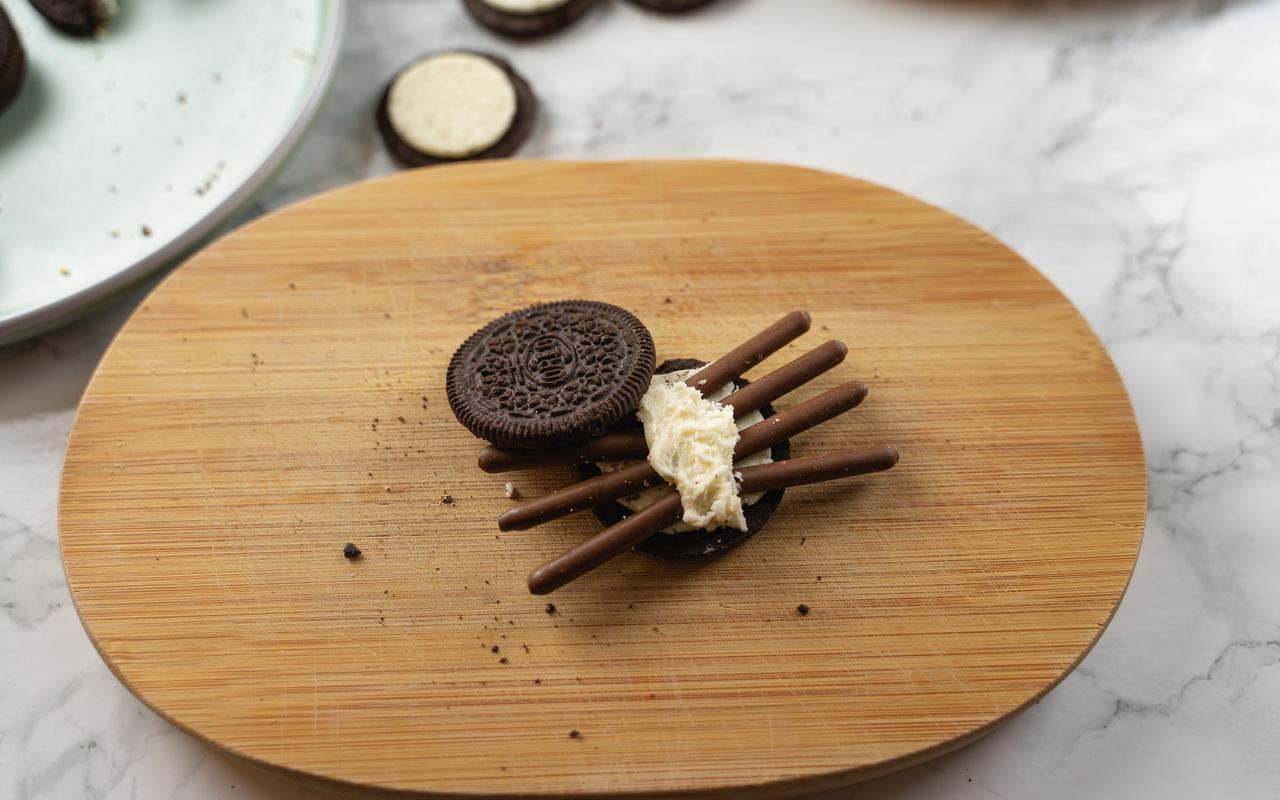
526, 19
681, 541
77, 17
457, 105
551, 374
673, 6
13, 62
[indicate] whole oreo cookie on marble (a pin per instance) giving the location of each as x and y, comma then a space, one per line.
672, 6
13, 62
457, 105
77, 17
691, 544
526, 19
551, 374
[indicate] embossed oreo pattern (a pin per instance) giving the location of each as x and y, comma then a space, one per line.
551, 374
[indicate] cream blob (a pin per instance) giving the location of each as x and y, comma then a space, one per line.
525, 7
452, 105
691, 441
644, 497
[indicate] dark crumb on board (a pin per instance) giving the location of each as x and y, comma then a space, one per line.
244, 312
666, 300
386, 315
447, 500
802, 539
537, 680
349, 550
551, 608
526, 647
631, 606
493, 649
503, 660
401, 420
803, 609
575, 734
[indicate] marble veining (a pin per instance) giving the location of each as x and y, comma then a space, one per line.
1129, 149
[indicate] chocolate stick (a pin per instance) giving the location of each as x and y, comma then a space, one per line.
629, 480
624, 535
630, 446
751, 352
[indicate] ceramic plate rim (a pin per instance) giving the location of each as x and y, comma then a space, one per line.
35, 320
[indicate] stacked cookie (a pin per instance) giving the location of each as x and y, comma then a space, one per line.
560, 384
524, 19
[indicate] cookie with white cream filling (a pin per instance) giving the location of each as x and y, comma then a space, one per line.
77, 17
526, 18
13, 62
672, 6
455, 106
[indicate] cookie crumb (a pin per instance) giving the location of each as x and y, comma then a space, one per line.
574, 734
510, 490
803, 609
537, 680
447, 500
349, 550
503, 660
64, 270
551, 608
493, 649
146, 230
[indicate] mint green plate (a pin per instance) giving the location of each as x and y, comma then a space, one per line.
122, 154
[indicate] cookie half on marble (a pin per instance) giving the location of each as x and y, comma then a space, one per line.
77, 17
457, 105
526, 19
13, 62
672, 6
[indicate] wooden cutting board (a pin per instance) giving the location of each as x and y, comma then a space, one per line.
283, 394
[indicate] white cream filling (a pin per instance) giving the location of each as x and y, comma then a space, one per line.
452, 105
639, 500
525, 6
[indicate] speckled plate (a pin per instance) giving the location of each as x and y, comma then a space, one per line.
124, 153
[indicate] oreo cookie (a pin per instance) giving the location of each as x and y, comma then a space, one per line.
77, 17
551, 374
13, 62
526, 19
672, 6
452, 106
697, 543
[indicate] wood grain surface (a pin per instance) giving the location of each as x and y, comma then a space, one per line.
283, 394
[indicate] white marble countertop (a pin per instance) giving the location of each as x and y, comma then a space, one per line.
1129, 149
